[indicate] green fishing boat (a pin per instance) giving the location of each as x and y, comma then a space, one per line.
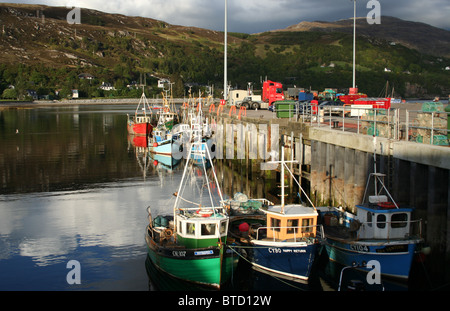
191, 243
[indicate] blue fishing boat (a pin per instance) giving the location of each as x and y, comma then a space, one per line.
381, 235
285, 242
167, 142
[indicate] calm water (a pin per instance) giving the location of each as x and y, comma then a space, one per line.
74, 186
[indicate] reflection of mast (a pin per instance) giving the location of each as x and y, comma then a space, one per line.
142, 158
139, 144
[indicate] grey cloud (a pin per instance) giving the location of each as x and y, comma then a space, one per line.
251, 16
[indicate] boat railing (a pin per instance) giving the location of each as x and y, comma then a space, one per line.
413, 229
299, 233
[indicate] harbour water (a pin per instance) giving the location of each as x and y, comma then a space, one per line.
74, 187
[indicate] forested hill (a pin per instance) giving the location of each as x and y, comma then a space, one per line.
42, 51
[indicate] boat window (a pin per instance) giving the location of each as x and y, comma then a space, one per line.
306, 225
223, 227
381, 221
181, 227
208, 229
292, 225
275, 223
399, 220
190, 228
369, 219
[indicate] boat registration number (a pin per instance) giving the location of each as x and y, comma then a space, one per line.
359, 248
276, 250
179, 253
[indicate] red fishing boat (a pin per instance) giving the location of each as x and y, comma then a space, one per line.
139, 124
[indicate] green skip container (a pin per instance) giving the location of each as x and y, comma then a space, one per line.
285, 108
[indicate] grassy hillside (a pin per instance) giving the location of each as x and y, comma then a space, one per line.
41, 51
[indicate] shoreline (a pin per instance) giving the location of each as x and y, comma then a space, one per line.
135, 101
72, 102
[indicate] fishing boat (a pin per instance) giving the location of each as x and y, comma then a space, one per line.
166, 142
190, 244
139, 124
166, 115
381, 231
286, 242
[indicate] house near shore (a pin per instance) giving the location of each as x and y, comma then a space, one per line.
107, 86
32, 93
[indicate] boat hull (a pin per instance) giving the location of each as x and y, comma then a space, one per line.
139, 128
395, 258
289, 262
205, 266
166, 147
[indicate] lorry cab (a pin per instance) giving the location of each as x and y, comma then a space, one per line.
272, 91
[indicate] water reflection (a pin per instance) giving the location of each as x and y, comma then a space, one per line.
72, 190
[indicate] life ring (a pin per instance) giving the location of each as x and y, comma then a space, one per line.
168, 232
386, 205
204, 213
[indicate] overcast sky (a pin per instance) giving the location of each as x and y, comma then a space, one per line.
252, 16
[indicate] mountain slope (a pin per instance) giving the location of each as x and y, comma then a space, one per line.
422, 37
40, 50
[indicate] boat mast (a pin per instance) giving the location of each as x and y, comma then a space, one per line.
282, 177
225, 78
354, 43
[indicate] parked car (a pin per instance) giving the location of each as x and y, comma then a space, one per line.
335, 106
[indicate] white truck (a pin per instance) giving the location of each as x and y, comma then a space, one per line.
254, 102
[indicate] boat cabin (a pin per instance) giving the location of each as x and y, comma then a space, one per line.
295, 222
380, 219
201, 228
142, 119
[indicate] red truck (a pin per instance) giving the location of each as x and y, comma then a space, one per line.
272, 91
